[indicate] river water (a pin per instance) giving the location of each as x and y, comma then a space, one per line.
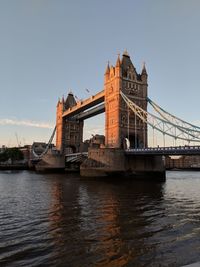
65, 220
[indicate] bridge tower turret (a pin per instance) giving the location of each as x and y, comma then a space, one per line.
59, 124
120, 122
69, 132
112, 82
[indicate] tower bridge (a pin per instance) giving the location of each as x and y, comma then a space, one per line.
120, 123
121, 77
124, 100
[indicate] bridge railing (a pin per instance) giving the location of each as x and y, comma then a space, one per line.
180, 150
165, 148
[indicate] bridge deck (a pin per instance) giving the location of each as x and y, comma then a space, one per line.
86, 104
76, 157
181, 150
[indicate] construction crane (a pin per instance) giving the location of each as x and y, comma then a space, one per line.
18, 143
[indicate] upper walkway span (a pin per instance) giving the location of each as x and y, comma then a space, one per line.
81, 106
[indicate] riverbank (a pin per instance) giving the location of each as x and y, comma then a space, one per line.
69, 170
183, 169
14, 167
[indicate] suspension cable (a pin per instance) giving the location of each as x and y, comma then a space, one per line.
47, 147
162, 125
170, 117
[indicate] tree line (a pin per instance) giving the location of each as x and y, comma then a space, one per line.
13, 154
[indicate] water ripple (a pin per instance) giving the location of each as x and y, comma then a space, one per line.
59, 220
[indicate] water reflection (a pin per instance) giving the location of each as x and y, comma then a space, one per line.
58, 220
56, 217
100, 223
63, 216
107, 223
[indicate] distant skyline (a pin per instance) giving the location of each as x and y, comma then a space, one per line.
51, 47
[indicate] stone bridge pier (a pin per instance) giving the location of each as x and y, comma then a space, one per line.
105, 162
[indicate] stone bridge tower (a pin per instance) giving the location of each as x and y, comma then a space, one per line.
69, 132
120, 121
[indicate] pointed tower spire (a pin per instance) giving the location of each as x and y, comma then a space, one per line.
58, 103
144, 74
118, 62
107, 73
144, 71
107, 69
118, 67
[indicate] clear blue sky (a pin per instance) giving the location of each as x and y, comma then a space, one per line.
49, 47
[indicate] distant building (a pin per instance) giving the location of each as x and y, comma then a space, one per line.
97, 140
183, 162
26, 152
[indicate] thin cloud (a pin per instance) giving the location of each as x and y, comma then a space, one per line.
26, 123
89, 131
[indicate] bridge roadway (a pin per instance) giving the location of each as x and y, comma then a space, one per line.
76, 157
179, 151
